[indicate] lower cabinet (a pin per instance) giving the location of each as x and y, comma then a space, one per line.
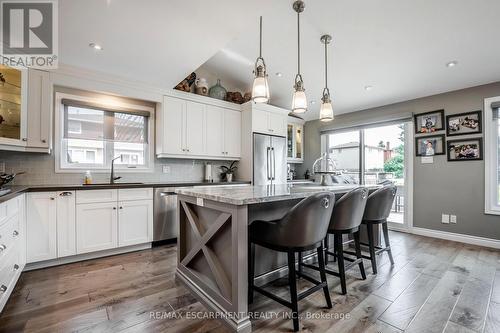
135, 222
41, 226
66, 223
96, 227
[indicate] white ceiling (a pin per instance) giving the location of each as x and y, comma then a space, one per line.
400, 47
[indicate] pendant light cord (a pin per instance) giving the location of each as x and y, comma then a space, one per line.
326, 68
298, 43
260, 38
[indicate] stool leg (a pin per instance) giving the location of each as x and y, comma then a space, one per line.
327, 241
300, 262
340, 258
387, 243
293, 290
322, 274
371, 245
251, 270
358, 254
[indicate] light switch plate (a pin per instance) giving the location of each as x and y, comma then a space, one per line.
166, 169
453, 219
445, 218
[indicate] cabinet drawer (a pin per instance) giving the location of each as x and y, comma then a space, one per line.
135, 194
91, 196
9, 232
9, 266
9, 209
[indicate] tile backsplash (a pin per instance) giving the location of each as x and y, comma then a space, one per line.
40, 170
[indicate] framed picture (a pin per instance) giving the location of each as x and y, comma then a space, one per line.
429, 145
464, 123
429, 122
465, 150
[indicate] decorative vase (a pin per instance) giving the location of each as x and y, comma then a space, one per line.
229, 177
218, 91
201, 86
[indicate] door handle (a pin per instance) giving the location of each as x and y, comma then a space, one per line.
274, 163
268, 162
164, 194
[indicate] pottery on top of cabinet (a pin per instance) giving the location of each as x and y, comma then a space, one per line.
218, 91
201, 86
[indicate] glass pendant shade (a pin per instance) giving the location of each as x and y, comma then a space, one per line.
326, 111
260, 89
299, 102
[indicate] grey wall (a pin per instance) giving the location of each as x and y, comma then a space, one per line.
40, 168
442, 187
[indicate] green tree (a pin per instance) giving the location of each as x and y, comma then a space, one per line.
397, 163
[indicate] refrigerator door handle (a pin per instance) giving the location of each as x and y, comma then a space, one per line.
268, 163
274, 164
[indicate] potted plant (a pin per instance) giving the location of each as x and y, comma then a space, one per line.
227, 172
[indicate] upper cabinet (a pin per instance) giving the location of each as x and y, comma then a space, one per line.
267, 119
25, 117
197, 129
295, 140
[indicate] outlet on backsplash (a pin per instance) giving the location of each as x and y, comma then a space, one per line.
166, 169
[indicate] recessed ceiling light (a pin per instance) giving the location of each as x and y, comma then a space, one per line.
368, 88
313, 102
279, 74
452, 63
95, 46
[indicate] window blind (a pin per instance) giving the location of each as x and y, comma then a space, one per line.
87, 121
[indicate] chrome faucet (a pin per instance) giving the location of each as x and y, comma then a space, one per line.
112, 178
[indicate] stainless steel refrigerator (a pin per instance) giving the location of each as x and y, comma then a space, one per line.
269, 159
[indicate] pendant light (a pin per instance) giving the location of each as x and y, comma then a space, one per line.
260, 89
326, 110
299, 100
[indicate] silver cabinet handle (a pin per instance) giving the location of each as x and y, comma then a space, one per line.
114, 208
3, 247
16, 267
24, 139
121, 207
15, 233
52, 198
164, 194
44, 141
65, 194
3, 288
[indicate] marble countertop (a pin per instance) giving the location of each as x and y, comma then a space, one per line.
248, 194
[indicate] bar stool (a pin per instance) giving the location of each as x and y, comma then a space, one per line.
346, 219
303, 228
378, 208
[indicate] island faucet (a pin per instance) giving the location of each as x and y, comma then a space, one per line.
112, 178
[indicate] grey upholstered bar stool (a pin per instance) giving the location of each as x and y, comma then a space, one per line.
346, 219
378, 208
303, 228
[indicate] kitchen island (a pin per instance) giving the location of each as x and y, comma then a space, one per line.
213, 242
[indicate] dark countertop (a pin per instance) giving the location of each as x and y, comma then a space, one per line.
19, 189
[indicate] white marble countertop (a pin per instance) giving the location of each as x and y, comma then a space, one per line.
249, 194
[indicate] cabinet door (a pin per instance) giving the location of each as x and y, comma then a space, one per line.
277, 124
13, 109
39, 120
214, 126
135, 222
171, 127
66, 223
232, 133
96, 227
195, 131
41, 238
260, 121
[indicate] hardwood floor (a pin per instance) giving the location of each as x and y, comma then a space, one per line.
434, 286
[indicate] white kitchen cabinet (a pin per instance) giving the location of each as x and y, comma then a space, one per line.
26, 110
135, 222
215, 131
194, 128
171, 127
268, 119
41, 225
66, 223
232, 133
96, 227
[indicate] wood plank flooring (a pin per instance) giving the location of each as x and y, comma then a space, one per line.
434, 286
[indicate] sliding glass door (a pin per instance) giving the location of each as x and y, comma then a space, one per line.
373, 155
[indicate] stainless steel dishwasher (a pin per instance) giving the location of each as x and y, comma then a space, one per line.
165, 226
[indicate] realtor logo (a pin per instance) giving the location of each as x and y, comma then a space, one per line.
29, 33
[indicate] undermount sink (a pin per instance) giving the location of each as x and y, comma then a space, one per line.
109, 184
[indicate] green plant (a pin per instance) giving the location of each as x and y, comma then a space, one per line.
229, 170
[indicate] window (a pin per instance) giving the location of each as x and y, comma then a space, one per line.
491, 155
92, 135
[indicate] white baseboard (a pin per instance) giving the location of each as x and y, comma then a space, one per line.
467, 239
